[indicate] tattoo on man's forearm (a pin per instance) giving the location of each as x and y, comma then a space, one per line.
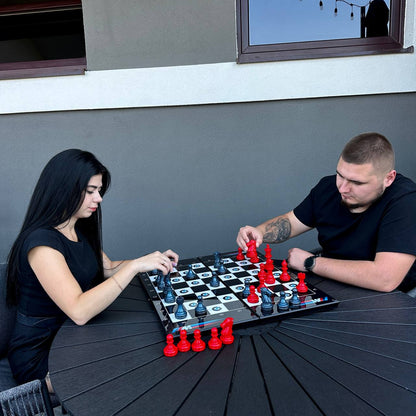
277, 231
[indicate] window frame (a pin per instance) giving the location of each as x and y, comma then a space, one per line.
42, 68
320, 49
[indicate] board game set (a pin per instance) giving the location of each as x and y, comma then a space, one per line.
202, 292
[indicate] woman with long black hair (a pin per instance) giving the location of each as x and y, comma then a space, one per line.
56, 267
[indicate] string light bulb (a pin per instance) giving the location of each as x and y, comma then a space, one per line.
352, 11
336, 9
321, 4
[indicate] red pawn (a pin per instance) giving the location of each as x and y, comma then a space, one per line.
284, 277
183, 345
301, 287
240, 255
252, 297
214, 343
198, 345
170, 350
227, 336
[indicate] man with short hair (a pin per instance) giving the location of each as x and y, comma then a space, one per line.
365, 216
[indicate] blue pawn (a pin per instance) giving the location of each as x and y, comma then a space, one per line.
191, 274
295, 301
246, 290
214, 282
168, 286
169, 296
200, 309
283, 305
266, 305
221, 268
180, 310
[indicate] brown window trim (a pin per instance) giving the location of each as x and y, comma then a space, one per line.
51, 68
39, 6
320, 49
43, 68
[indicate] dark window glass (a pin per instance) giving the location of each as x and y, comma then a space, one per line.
36, 35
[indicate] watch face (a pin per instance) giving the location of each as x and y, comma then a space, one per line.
309, 263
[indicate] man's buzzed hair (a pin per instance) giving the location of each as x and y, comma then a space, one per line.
371, 148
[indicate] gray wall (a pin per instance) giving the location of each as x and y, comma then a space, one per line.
151, 33
189, 177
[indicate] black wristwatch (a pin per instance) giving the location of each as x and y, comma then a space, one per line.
309, 263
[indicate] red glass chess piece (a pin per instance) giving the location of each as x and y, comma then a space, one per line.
170, 350
284, 277
227, 336
269, 266
270, 280
183, 345
251, 249
301, 287
240, 256
268, 252
198, 345
214, 343
261, 276
252, 297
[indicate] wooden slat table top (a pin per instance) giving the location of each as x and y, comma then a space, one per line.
359, 358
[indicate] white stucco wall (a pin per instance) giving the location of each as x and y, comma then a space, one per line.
217, 83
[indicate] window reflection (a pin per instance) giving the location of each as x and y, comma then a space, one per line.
287, 21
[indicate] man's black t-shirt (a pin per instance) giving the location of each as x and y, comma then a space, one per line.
388, 225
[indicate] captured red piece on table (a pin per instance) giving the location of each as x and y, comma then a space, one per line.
227, 336
183, 345
214, 343
198, 345
170, 350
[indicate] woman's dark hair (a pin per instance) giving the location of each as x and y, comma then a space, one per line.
57, 197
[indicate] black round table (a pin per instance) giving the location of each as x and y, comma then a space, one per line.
356, 359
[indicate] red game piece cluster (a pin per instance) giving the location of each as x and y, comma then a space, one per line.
215, 342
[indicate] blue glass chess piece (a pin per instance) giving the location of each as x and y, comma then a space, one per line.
200, 309
180, 310
214, 282
169, 295
283, 305
191, 274
266, 301
246, 290
295, 301
221, 268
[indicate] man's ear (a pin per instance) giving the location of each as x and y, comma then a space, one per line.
389, 178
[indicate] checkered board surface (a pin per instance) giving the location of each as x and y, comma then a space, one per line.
226, 300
